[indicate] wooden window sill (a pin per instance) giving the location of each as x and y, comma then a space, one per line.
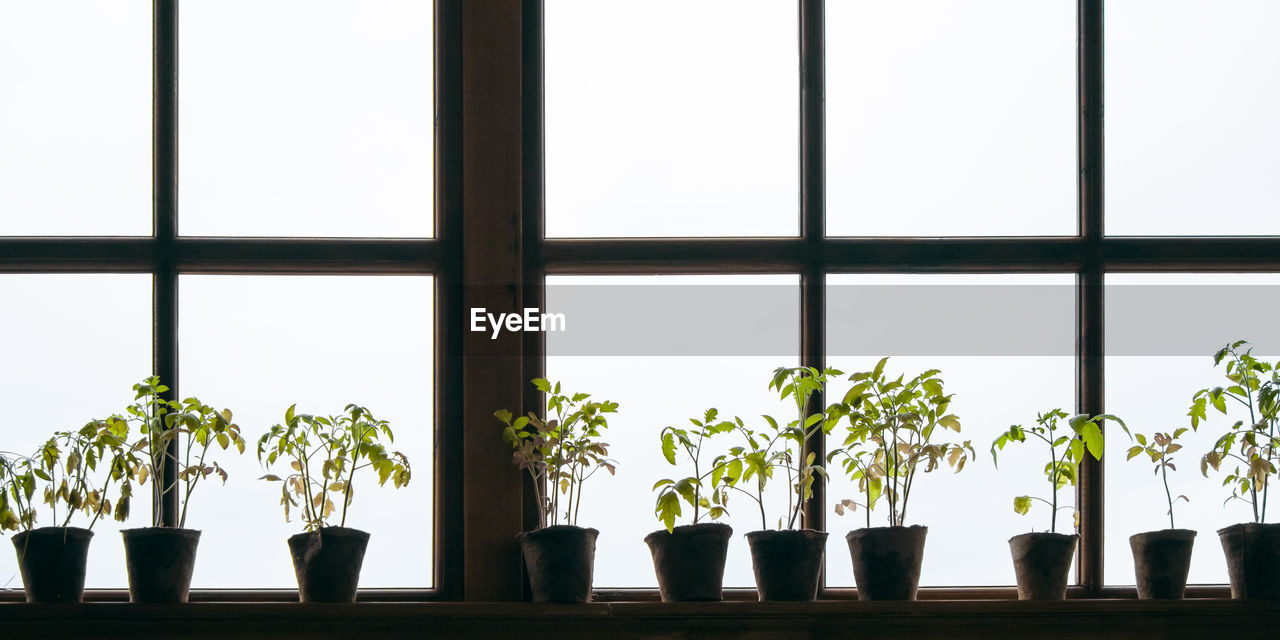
951, 619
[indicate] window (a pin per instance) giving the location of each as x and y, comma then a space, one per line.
654, 143
967, 165
288, 254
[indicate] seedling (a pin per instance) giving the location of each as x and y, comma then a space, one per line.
193, 425
892, 423
1160, 447
1067, 449
72, 469
324, 454
693, 489
561, 449
782, 445
1252, 448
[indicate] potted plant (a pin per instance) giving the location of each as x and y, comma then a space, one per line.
74, 469
787, 561
1042, 559
160, 559
891, 431
1249, 452
689, 559
324, 455
560, 451
1161, 559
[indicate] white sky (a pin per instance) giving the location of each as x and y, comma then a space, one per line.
664, 118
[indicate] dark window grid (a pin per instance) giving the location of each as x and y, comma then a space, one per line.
1089, 254
166, 255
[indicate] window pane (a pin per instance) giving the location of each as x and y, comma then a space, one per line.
75, 119
1162, 332
667, 348
257, 344
1004, 344
951, 118
671, 118
317, 122
1191, 126
72, 346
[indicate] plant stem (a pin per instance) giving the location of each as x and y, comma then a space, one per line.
697, 487
1053, 482
346, 488
1164, 474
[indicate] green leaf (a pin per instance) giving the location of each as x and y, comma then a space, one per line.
668, 508
1022, 504
669, 447
1092, 438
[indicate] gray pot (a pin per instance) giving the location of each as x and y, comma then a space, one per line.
1253, 559
327, 563
160, 561
560, 560
886, 561
52, 561
1041, 562
689, 561
787, 563
1161, 560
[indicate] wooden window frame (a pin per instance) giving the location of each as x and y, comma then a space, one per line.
1090, 255
166, 255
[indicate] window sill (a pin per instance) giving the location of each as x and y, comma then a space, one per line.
951, 619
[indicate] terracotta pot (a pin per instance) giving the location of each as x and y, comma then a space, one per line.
1041, 562
52, 561
327, 563
1253, 559
689, 561
886, 561
787, 563
560, 560
1161, 560
159, 561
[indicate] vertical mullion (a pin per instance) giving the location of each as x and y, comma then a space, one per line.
533, 220
449, 326
1090, 337
165, 220
813, 222
492, 370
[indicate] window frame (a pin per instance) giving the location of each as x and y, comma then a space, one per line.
165, 256
1089, 254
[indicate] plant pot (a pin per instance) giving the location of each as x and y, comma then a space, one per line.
559, 559
1253, 559
327, 563
52, 561
689, 561
1161, 560
159, 561
886, 561
787, 563
1041, 562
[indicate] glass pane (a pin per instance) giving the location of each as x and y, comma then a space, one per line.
1191, 126
671, 118
1162, 332
1005, 357
951, 118
667, 348
72, 348
317, 122
75, 120
257, 344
